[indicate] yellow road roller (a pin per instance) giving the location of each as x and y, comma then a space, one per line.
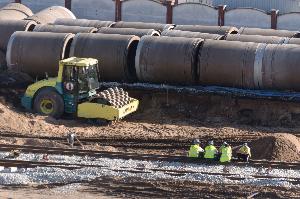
76, 91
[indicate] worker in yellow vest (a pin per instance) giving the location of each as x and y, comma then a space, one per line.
226, 153
244, 153
210, 151
195, 150
220, 149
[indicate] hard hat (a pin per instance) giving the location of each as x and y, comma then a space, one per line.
211, 142
225, 143
196, 141
245, 144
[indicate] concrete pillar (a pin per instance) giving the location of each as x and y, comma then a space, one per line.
221, 15
274, 16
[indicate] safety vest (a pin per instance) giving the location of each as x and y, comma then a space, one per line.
194, 151
245, 150
220, 149
226, 154
210, 152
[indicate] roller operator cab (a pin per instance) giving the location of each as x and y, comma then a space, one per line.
75, 91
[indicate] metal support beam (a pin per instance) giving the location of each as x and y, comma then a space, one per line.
68, 4
221, 15
274, 16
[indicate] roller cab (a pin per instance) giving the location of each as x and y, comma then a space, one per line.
76, 91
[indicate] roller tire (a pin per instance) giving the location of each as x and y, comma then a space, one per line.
55, 107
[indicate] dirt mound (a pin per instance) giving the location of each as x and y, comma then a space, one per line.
280, 147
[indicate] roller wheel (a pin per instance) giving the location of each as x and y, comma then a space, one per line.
49, 102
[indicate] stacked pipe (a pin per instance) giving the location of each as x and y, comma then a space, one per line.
14, 11
49, 15
221, 30
167, 60
115, 97
269, 32
129, 31
83, 22
64, 29
189, 34
115, 54
141, 25
37, 53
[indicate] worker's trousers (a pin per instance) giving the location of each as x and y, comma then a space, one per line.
243, 157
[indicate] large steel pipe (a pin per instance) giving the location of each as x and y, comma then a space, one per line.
115, 54
268, 32
49, 15
257, 39
280, 67
14, 11
189, 34
167, 60
129, 31
64, 29
37, 53
230, 63
8, 27
83, 23
140, 25
293, 41
221, 30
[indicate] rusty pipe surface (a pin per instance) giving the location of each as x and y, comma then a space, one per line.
15, 11
49, 15
268, 32
189, 34
140, 25
37, 53
83, 22
228, 63
129, 31
63, 29
115, 54
167, 60
280, 67
8, 27
221, 30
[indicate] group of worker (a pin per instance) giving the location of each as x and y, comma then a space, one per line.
224, 154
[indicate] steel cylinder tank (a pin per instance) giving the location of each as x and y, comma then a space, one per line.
49, 15
189, 34
268, 32
83, 22
64, 29
14, 11
140, 25
8, 27
129, 31
221, 30
37, 53
257, 39
167, 60
229, 63
280, 67
115, 54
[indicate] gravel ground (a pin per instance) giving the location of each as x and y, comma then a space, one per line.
43, 175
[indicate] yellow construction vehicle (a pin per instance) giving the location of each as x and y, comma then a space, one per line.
76, 91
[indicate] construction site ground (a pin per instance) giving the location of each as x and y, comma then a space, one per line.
165, 124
